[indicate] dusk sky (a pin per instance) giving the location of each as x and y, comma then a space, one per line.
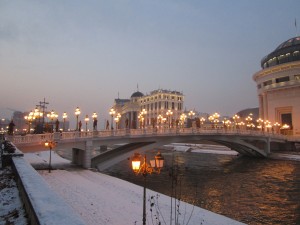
83, 53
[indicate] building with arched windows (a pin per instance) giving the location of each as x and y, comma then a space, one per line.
278, 86
160, 106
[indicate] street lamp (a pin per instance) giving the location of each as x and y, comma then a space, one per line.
276, 125
191, 114
249, 121
260, 123
214, 119
50, 145
182, 119
235, 119
169, 113
77, 113
52, 115
117, 119
268, 125
202, 120
29, 118
112, 112
154, 167
94, 116
64, 117
86, 119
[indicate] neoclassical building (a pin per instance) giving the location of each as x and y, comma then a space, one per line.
278, 86
149, 110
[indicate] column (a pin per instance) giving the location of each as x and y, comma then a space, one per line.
87, 159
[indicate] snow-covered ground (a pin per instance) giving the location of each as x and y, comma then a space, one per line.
105, 200
11, 207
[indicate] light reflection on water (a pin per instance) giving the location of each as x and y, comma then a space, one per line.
253, 191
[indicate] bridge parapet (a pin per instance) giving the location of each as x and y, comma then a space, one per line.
39, 138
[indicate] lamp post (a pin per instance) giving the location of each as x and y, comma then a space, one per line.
159, 120
268, 125
117, 119
191, 114
276, 125
52, 115
112, 112
235, 119
169, 113
86, 119
77, 113
94, 116
29, 118
64, 118
249, 121
143, 113
260, 124
202, 120
182, 119
50, 145
144, 169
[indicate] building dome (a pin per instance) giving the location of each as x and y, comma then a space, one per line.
288, 51
137, 94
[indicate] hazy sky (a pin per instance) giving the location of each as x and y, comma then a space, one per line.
83, 53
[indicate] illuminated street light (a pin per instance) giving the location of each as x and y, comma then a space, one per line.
159, 120
29, 118
154, 167
236, 120
77, 113
86, 119
94, 116
50, 145
182, 119
64, 116
117, 120
112, 112
52, 115
260, 123
169, 113
276, 125
202, 120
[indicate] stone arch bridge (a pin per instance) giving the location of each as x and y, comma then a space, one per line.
81, 144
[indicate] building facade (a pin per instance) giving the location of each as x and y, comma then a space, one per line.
159, 108
278, 86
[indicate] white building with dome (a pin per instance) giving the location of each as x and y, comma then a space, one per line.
150, 110
278, 86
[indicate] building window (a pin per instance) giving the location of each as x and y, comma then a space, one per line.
155, 106
259, 86
268, 82
173, 105
159, 105
297, 77
282, 79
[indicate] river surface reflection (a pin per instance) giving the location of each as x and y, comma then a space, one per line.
253, 191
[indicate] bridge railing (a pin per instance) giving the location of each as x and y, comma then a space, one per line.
37, 138
31, 138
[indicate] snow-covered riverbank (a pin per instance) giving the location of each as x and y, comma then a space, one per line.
105, 200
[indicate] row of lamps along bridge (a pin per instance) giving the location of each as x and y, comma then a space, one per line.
214, 120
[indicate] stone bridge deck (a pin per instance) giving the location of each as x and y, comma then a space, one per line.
247, 142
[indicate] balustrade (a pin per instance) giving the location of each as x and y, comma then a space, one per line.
36, 138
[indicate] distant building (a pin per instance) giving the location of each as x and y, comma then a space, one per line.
149, 110
278, 86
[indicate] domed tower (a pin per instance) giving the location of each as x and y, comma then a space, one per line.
278, 87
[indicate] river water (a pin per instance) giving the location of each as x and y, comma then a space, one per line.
250, 190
